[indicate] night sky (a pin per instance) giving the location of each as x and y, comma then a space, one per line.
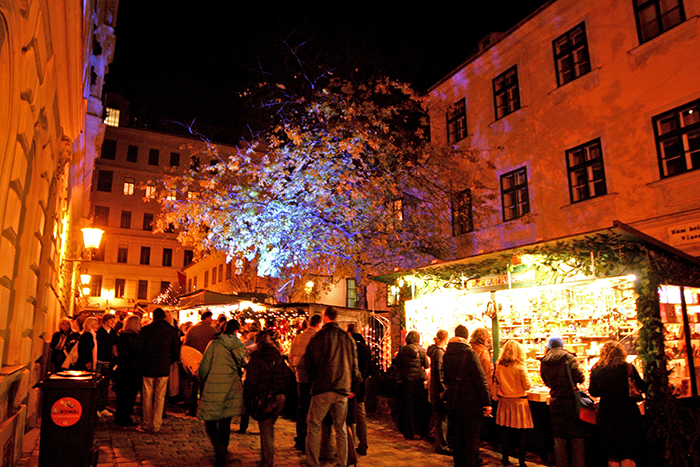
183, 64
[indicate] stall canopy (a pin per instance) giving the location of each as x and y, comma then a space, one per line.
206, 297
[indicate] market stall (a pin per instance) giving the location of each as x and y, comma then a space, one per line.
612, 285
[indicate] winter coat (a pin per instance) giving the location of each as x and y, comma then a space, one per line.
262, 376
297, 351
331, 361
86, 352
467, 392
200, 335
364, 365
220, 370
437, 376
58, 353
160, 347
485, 360
555, 376
619, 420
127, 357
412, 361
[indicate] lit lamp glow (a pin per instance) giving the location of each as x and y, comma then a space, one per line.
85, 279
92, 237
86, 290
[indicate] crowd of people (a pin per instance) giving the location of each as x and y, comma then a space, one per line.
243, 373
464, 385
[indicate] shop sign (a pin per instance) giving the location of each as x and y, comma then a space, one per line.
493, 281
66, 411
683, 234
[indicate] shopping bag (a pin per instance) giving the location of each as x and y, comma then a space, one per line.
586, 408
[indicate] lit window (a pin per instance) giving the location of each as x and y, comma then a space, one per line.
457, 121
571, 55
677, 135
171, 196
654, 17
586, 171
506, 93
150, 191
351, 298
129, 186
514, 194
119, 288
112, 118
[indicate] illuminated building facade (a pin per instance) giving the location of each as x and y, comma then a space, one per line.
53, 57
136, 264
589, 112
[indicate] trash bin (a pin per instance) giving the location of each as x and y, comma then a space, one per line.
68, 415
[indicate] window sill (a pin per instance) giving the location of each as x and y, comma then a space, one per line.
685, 29
587, 81
590, 203
519, 113
686, 178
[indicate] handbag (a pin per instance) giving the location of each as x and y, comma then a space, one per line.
634, 391
71, 357
585, 408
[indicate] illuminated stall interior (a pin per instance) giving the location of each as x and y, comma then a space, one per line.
584, 289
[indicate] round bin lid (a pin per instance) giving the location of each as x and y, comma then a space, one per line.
74, 374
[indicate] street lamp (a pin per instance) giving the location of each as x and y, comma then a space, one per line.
91, 241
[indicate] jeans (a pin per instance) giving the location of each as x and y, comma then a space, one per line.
578, 452
321, 404
361, 417
267, 434
438, 427
153, 395
304, 394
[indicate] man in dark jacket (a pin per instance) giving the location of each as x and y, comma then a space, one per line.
364, 362
159, 344
106, 337
561, 407
330, 361
198, 337
438, 420
467, 397
412, 361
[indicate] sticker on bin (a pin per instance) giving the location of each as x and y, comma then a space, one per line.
66, 411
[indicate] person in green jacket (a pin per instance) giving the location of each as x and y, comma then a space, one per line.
222, 391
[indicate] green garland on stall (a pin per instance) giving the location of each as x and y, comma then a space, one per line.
674, 426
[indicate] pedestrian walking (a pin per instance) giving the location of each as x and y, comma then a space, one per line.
198, 336
438, 404
331, 363
220, 371
159, 345
267, 376
411, 362
105, 337
296, 352
467, 398
127, 373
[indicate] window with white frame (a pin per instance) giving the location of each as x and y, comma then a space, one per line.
586, 171
677, 135
514, 194
150, 191
351, 297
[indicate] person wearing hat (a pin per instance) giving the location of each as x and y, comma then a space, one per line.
568, 435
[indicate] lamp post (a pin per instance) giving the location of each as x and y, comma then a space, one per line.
91, 241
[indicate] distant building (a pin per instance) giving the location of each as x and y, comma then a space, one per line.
135, 263
589, 112
53, 58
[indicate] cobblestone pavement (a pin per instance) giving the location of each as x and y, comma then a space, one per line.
183, 442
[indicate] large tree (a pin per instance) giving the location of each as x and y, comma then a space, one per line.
346, 182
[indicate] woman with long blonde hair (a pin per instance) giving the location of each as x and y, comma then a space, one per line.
513, 413
619, 419
87, 345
